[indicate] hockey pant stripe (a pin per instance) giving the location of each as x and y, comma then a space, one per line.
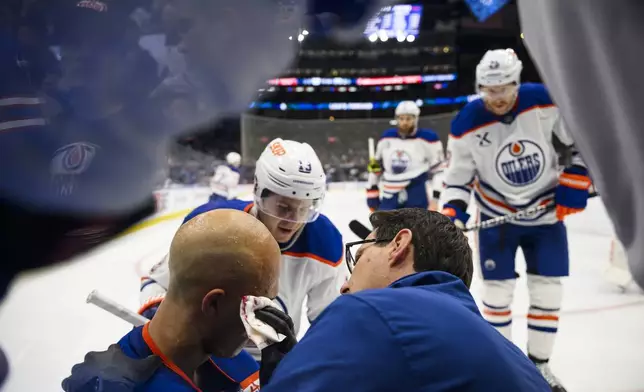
542, 329
546, 294
501, 325
497, 302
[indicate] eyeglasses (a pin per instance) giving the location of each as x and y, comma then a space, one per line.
348, 256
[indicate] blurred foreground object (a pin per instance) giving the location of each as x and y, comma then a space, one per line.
589, 59
92, 90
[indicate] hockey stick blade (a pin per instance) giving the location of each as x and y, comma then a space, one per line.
359, 229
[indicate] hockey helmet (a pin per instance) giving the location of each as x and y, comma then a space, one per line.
293, 171
233, 159
497, 68
407, 108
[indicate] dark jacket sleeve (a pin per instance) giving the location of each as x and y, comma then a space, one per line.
348, 347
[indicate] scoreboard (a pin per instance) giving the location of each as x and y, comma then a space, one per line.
396, 20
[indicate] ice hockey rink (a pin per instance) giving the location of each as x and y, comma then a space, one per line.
46, 326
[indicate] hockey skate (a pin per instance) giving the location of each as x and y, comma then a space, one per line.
553, 381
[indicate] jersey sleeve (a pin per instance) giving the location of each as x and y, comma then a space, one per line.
461, 169
561, 131
333, 272
433, 150
233, 180
348, 348
326, 291
436, 157
224, 178
154, 286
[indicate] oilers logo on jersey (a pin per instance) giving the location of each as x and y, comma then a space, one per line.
400, 161
520, 162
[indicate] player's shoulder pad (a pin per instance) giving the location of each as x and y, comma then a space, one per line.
320, 240
389, 133
533, 94
233, 204
470, 118
427, 135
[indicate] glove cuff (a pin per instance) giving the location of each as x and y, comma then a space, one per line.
575, 177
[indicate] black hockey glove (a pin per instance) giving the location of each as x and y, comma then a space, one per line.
110, 371
272, 355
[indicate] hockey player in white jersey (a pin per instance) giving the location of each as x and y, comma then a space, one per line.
501, 147
405, 159
290, 186
226, 178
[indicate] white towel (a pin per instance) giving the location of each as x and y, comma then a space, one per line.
260, 333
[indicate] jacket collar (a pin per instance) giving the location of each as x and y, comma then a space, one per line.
424, 279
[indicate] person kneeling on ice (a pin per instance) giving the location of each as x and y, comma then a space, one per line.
290, 186
217, 259
406, 321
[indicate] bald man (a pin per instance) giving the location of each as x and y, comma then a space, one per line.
215, 259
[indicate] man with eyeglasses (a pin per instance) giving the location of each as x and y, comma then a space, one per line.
406, 321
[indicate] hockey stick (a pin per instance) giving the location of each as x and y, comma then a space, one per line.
120, 311
514, 216
372, 148
359, 229
362, 231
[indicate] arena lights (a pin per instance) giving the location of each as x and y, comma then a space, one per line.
300, 36
384, 36
378, 81
354, 106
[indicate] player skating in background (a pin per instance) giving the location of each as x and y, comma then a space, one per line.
501, 146
226, 178
405, 159
290, 186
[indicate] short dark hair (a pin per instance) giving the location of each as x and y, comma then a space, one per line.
438, 244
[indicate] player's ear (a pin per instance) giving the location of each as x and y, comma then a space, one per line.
211, 302
400, 247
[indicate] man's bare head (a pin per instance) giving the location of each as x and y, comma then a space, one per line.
215, 259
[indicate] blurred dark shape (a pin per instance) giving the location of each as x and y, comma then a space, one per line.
92, 92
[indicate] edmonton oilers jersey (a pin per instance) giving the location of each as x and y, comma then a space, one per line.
408, 158
509, 161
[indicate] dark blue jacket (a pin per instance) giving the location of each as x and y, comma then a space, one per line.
422, 333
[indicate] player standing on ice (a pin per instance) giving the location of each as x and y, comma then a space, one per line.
226, 178
290, 186
404, 160
501, 146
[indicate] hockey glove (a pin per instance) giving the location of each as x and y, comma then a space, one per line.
457, 214
272, 354
373, 198
110, 371
374, 166
571, 195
